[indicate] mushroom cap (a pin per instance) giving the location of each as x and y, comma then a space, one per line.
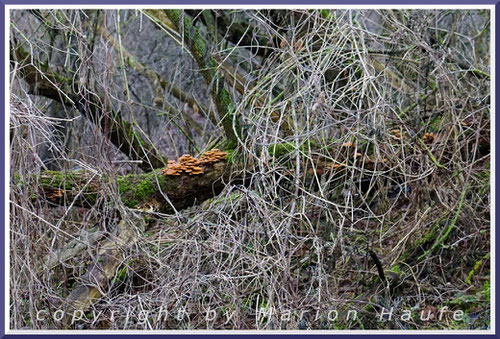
169, 172
213, 155
191, 165
428, 138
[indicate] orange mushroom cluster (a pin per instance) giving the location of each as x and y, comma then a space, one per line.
396, 134
186, 164
212, 156
192, 166
428, 138
57, 193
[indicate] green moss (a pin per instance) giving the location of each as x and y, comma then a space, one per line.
476, 268
396, 269
436, 123
123, 184
229, 145
230, 120
127, 193
225, 99
198, 44
121, 275
174, 15
59, 179
231, 157
280, 150
284, 149
131, 203
135, 189
486, 291
144, 189
325, 14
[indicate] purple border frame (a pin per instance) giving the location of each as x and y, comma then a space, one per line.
215, 3
248, 2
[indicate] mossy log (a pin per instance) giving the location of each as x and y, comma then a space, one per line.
162, 193
166, 193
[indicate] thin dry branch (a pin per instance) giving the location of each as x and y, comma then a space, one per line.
46, 82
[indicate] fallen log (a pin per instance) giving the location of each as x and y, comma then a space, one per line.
161, 189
